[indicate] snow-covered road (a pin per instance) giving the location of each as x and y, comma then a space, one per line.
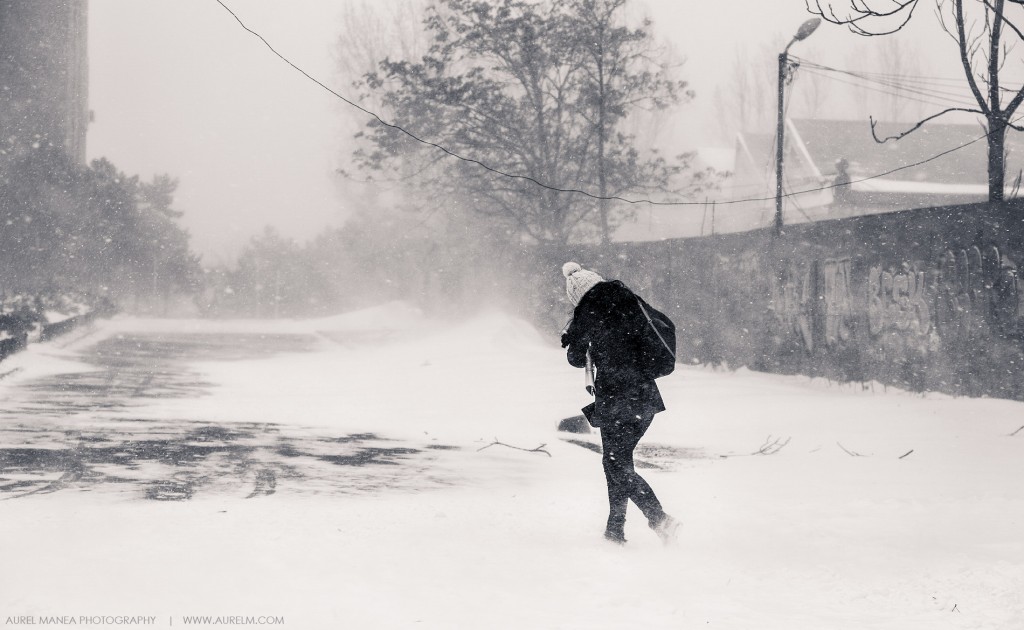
330, 473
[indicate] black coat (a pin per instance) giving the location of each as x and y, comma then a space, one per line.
609, 322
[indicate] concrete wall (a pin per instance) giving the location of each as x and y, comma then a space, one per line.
927, 299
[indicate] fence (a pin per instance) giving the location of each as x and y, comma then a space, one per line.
10, 345
16, 327
56, 329
927, 299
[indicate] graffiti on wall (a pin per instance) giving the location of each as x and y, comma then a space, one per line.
1008, 298
793, 303
838, 301
965, 294
978, 292
898, 301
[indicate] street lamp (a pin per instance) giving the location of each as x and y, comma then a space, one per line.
802, 33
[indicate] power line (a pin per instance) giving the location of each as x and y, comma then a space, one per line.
917, 78
928, 97
878, 90
530, 179
899, 88
919, 85
409, 133
896, 82
921, 80
799, 208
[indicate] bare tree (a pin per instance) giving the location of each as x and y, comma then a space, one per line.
814, 90
370, 33
899, 61
881, 80
747, 100
858, 97
535, 97
733, 99
977, 27
623, 70
373, 31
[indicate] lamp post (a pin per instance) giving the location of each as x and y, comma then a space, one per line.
802, 33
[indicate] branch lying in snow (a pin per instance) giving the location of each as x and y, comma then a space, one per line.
539, 449
770, 448
1017, 431
852, 453
907, 453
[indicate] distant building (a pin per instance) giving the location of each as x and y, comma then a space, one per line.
835, 169
939, 164
43, 76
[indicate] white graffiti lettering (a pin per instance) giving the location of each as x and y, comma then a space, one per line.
898, 301
838, 301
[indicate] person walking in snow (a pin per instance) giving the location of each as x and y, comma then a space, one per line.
604, 332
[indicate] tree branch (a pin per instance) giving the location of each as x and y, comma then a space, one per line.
965, 60
919, 124
863, 12
860, 8
539, 449
940, 15
849, 452
995, 33
1005, 19
771, 447
1012, 106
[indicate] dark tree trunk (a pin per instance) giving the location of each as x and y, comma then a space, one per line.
602, 175
996, 166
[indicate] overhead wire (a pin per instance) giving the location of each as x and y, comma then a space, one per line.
922, 86
900, 86
406, 131
944, 85
541, 184
945, 82
912, 78
926, 97
906, 97
900, 90
797, 205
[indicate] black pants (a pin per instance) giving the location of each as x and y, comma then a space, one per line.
618, 440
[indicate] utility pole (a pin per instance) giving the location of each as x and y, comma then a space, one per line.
802, 33
780, 136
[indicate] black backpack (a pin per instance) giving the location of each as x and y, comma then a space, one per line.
658, 341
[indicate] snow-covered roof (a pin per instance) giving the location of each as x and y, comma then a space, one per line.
935, 156
883, 185
935, 165
961, 150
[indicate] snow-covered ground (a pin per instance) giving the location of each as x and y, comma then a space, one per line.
805, 504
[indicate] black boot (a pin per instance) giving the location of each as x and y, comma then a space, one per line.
667, 529
616, 537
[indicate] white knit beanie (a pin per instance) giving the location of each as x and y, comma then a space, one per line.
578, 281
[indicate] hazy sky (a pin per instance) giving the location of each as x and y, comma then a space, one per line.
178, 87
